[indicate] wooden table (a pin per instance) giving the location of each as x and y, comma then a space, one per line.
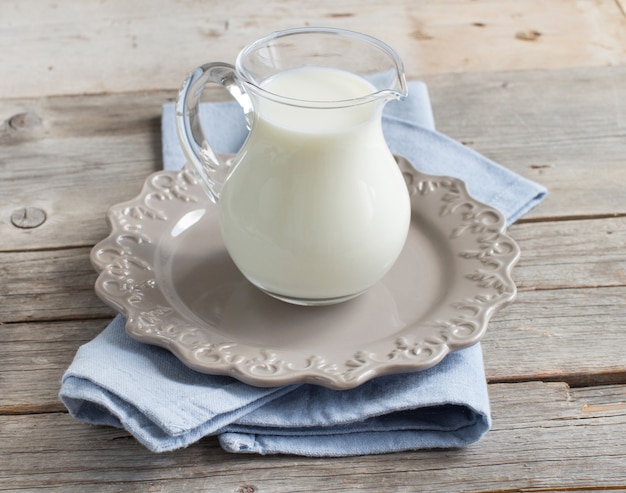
537, 85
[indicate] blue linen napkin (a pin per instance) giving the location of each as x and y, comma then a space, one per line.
409, 129
117, 381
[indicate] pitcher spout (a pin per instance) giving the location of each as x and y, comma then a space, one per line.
389, 80
349, 51
390, 85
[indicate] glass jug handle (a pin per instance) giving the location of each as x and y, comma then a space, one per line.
209, 167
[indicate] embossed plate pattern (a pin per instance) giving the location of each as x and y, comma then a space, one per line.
165, 268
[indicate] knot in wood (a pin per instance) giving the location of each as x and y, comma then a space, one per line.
247, 489
28, 217
24, 121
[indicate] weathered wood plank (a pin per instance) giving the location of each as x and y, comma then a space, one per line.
49, 285
77, 206
74, 156
541, 441
157, 42
61, 160
58, 284
34, 358
572, 335
109, 144
571, 254
564, 128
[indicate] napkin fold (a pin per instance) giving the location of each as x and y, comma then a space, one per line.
144, 389
409, 129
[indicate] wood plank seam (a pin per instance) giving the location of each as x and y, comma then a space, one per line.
573, 217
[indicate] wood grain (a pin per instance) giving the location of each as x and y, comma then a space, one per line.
88, 143
537, 86
573, 334
559, 255
548, 438
571, 254
119, 46
34, 357
563, 128
48, 285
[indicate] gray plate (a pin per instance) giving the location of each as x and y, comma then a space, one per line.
165, 268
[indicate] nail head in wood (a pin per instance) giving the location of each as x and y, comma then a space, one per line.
28, 217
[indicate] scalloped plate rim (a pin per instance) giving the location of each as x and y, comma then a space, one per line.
344, 378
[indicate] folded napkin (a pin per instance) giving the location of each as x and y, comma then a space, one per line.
409, 129
117, 381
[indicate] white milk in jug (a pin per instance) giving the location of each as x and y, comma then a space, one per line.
317, 207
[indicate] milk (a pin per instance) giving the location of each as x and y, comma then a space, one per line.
316, 207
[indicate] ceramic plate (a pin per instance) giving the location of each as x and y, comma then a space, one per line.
165, 268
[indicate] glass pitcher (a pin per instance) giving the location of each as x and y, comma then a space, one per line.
313, 209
